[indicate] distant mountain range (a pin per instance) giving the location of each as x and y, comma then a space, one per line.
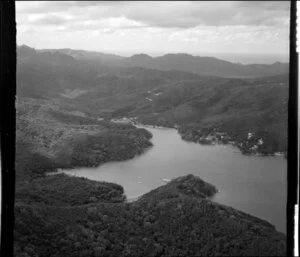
204, 66
66, 100
111, 86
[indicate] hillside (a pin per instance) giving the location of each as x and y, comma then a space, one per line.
200, 65
165, 222
59, 215
57, 138
235, 107
208, 66
65, 101
199, 105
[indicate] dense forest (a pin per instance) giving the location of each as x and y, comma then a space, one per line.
64, 109
60, 215
235, 106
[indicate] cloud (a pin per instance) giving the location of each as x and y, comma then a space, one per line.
155, 25
192, 14
49, 20
106, 24
32, 7
181, 14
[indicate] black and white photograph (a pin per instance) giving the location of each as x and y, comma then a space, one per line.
151, 128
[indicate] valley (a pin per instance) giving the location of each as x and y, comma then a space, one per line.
66, 102
195, 104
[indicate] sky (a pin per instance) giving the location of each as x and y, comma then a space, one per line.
157, 27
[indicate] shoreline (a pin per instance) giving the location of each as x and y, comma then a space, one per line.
85, 203
65, 170
140, 197
229, 141
81, 207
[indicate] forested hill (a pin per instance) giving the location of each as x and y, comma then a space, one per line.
68, 216
200, 65
205, 65
83, 81
65, 101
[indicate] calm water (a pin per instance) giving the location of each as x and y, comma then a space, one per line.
255, 185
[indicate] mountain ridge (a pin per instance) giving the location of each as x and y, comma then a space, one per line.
200, 65
141, 54
65, 104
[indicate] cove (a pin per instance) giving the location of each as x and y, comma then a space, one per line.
252, 184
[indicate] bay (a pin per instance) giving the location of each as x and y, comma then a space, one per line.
253, 184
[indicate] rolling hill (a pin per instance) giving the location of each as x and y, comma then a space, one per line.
65, 100
236, 106
200, 65
208, 66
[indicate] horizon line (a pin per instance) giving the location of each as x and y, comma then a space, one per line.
161, 54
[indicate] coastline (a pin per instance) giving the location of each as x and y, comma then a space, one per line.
214, 137
80, 201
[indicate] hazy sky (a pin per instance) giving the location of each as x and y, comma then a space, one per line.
156, 27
